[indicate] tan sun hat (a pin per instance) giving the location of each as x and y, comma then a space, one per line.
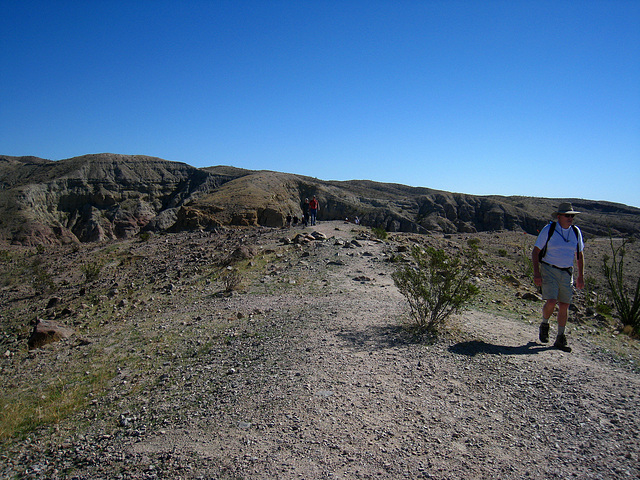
566, 208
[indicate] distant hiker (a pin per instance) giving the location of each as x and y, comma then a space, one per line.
557, 246
313, 210
289, 220
295, 220
305, 212
357, 221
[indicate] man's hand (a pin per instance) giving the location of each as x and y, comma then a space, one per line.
537, 279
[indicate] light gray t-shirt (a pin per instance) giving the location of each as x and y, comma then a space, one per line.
561, 249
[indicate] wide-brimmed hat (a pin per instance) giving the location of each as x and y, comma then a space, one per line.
566, 208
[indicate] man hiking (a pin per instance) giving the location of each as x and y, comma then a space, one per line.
557, 246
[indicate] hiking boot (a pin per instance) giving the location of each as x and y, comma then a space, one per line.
561, 344
544, 332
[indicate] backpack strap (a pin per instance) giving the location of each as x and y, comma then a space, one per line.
543, 252
575, 231
552, 229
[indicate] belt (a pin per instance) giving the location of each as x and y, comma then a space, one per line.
569, 270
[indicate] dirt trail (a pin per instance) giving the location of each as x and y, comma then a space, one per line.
352, 395
320, 381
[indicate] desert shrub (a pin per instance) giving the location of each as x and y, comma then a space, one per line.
473, 242
41, 279
626, 300
144, 236
92, 271
437, 284
231, 280
379, 232
502, 252
526, 262
590, 291
603, 308
394, 258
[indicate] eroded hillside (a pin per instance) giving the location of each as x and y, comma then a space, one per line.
108, 196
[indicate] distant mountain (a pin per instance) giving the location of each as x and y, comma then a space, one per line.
98, 197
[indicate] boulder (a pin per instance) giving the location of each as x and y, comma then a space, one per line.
47, 331
303, 238
531, 296
243, 252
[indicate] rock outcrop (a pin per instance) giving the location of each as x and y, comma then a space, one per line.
102, 197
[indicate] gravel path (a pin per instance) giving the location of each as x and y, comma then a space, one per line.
316, 378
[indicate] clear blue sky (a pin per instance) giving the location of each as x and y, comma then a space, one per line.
511, 97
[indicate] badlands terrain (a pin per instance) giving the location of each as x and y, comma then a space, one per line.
99, 197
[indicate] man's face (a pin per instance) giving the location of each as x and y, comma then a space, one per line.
565, 219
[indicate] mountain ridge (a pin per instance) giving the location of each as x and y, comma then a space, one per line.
98, 197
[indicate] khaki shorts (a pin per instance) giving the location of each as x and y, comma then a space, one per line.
556, 284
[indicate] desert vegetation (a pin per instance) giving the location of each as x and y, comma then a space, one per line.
625, 296
437, 284
256, 352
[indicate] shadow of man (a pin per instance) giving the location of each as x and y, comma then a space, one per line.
475, 347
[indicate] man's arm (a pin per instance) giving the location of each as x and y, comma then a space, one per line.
537, 278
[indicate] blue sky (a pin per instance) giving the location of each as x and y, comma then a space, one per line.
536, 98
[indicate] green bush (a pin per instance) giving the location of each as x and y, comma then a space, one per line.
626, 300
473, 242
41, 279
379, 232
603, 308
231, 280
92, 271
437, 285
527, 263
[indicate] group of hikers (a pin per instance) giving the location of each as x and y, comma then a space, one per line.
309, 213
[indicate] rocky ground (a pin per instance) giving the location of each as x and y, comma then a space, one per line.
310, 369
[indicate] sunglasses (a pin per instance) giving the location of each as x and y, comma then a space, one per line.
568, 215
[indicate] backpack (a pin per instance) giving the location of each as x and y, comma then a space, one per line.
552, 229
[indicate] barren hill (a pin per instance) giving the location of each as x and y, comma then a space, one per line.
108, 196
